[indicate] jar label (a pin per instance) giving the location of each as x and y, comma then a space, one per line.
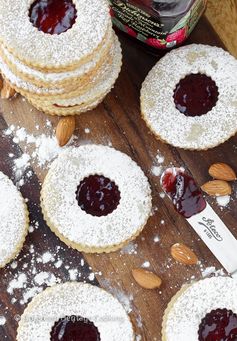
149, 29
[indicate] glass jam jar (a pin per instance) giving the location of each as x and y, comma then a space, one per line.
161, 24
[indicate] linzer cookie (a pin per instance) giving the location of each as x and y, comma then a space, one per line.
203, 311
110, 69
95, 198
68, 51
14, 220
75, 311
189, 98
56, 34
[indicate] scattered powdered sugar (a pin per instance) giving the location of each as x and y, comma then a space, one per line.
156, 239
39, 150
223, 201
2, 320
211, 270
47, 257
130, 249
157, 168
146, 264
46, 278
87, 130
91, 277
14, 265
160, 158
30, 293
125, 300
58, 264
73, 273
30, 278
17, 283
162, 195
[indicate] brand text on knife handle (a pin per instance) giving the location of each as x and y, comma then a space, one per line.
210, 229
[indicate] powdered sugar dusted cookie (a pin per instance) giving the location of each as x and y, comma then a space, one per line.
189, 98
14, 220
67, 58
95, 198
73, 311
63, 33
205, 310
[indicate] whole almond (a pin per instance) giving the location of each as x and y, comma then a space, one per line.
7, 91
217, 188
222, 171
146, 279
65, 129
183, 254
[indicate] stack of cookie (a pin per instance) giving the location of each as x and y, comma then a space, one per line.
62, 55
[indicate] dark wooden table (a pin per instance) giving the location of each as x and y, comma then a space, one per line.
117, 120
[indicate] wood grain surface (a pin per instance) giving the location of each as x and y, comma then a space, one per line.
118, 121
222, 14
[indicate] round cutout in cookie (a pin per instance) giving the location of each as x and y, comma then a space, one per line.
124, 198
75, 311
189, 98
14, 220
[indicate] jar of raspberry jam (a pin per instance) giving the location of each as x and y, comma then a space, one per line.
160, 24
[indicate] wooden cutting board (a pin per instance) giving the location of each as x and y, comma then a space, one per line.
118, 120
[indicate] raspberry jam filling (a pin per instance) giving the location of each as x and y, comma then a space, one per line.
74, 328
195, 95
53, 16
218, 325
97, 195
183, 191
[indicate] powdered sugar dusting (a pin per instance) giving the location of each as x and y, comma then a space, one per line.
157, 168
190, 308
39, 150
14, 220
157, 104
124, 222
85, 36
80, 300
223, 201
30, 278
2, 320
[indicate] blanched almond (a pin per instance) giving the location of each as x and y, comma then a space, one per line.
217, 188
183, 254
146, 279
65, 129
222, 171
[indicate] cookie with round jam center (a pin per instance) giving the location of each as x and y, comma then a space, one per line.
74, 328
218, 325
195, 95
98, 195
53, 16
